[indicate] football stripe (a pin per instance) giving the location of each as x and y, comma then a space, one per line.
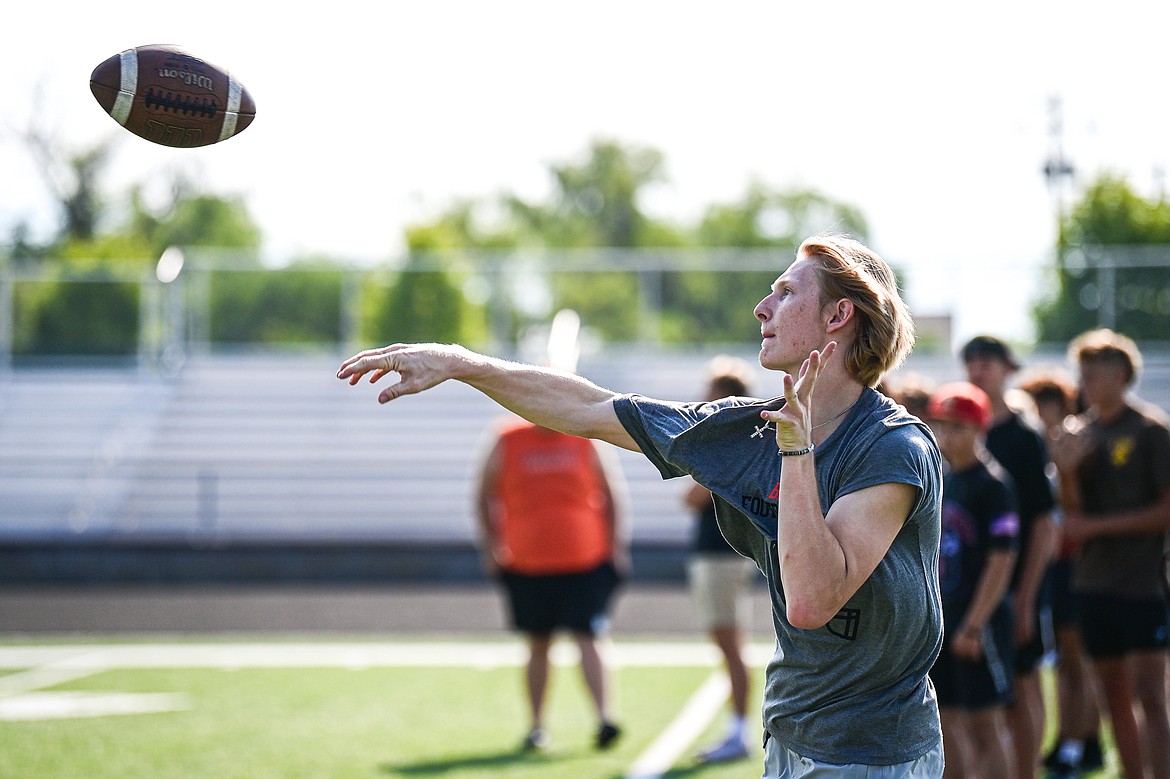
126, 87
232, 111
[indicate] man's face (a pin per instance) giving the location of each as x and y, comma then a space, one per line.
791, 318
988, 373
1103, 382
1051, 412
956, 441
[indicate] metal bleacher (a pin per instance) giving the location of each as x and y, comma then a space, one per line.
267, 448
272, 449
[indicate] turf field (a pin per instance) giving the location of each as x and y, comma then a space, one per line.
338, 710
368, 709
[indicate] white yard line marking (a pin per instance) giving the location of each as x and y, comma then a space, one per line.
19, 701
48, 666
698, 712
65, 705
447, 654
44, 671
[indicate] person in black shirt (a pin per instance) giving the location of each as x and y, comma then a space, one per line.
973, 675
1023, 453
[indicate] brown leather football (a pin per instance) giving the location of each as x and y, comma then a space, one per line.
163, 94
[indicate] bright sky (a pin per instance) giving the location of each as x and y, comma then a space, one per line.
370, 115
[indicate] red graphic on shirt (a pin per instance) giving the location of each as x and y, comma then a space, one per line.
775, 493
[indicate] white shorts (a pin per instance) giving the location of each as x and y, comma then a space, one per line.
721, 588
782, 763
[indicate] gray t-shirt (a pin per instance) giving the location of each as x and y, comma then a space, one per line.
856, 690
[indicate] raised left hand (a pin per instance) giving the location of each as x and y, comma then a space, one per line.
793, 420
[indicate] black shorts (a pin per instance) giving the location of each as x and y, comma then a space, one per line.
1066, 608
1112, 626
1029, 656
973, 685
574, 601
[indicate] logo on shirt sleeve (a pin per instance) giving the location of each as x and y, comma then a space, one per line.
845, 624
1007, 524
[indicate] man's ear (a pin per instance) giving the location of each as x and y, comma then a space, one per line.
839, 315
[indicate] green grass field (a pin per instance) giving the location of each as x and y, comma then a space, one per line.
354, 716
336, 723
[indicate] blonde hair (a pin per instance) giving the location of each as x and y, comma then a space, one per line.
1106, 346
885, 329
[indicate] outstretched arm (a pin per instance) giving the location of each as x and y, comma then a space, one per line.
546, 397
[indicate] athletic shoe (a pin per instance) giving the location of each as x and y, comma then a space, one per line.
607, 734
1092, 759
1052, 759
1065, 760
536, 741
732, 748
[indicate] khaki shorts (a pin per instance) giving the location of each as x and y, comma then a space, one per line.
782, 763
721, 588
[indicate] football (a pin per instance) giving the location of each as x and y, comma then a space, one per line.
165, 95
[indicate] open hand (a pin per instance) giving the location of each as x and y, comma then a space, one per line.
419, 367
794, 419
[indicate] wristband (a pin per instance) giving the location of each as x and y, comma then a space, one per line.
796, 452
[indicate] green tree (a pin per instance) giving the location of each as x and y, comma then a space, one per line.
90, 314
92, 304
596, 204
91, 307
708, 305
597, 200
765, 217
425, 300
73, 177
297, 305
1113, 266
197, 219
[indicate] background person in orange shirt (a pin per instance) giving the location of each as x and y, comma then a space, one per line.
550, 509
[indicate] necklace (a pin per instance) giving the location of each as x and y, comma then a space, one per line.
842, 413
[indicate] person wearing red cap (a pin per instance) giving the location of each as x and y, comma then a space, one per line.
1023, 453
973, 674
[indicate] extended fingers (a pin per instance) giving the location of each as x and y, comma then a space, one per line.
811, 369
354, 363
808, 375
789, 386
379, 361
